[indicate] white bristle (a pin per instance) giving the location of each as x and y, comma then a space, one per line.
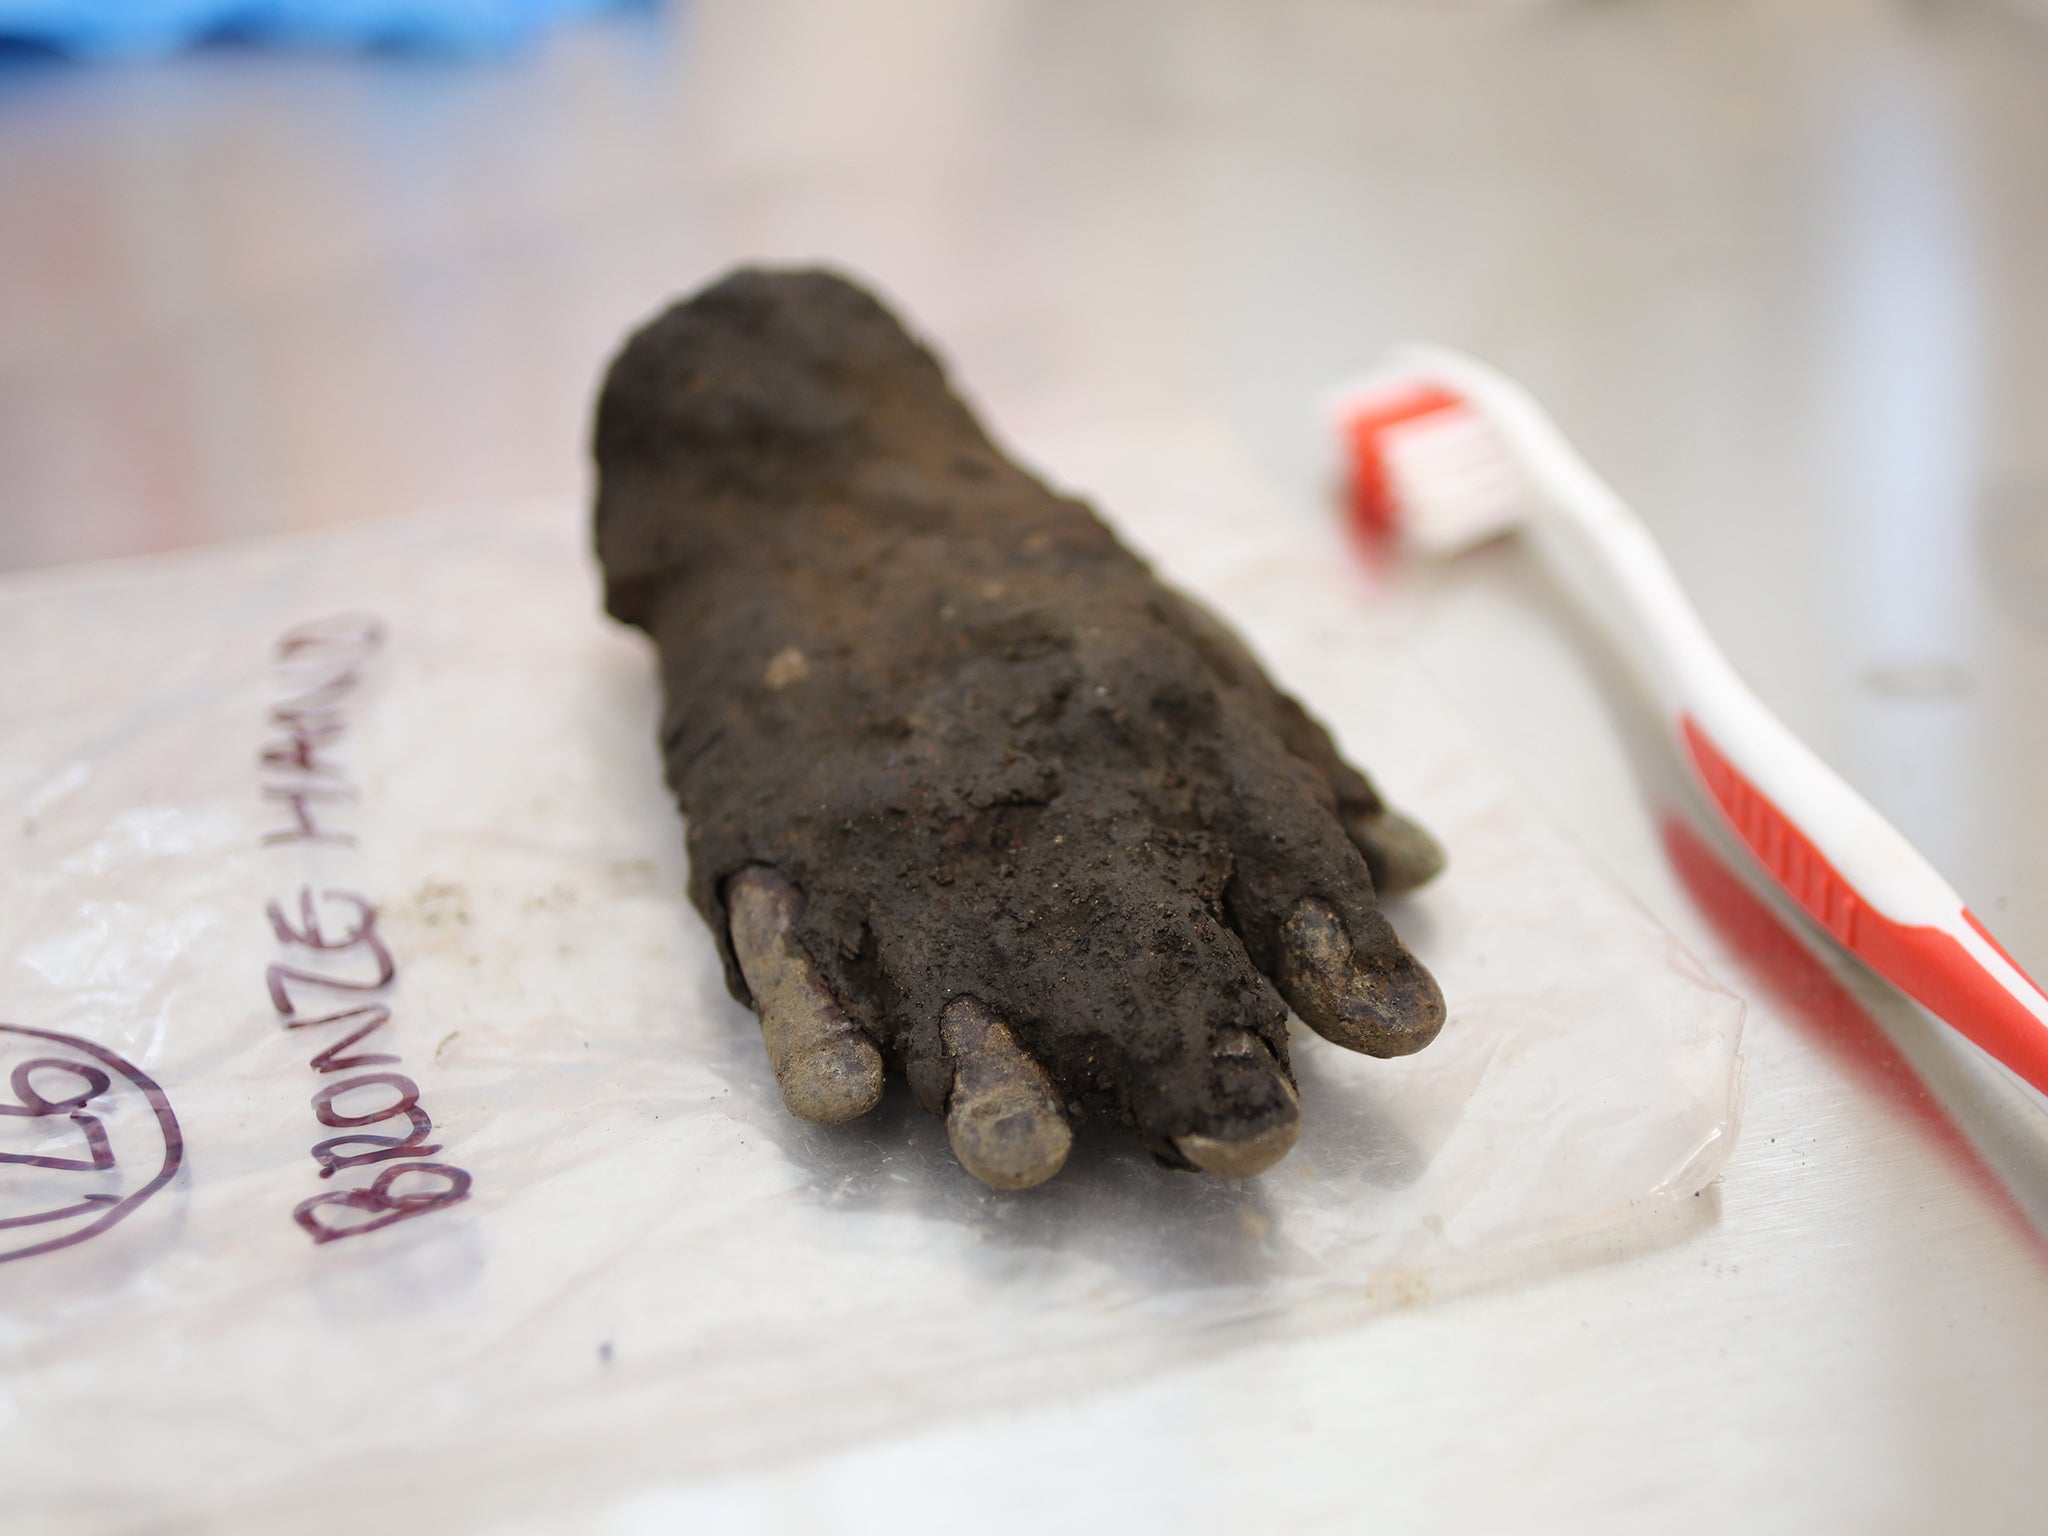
1453, 481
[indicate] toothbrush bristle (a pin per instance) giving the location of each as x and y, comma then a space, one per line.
1368, 422
1454, 484
1425, 465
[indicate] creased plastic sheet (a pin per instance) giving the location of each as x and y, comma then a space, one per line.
611, 1255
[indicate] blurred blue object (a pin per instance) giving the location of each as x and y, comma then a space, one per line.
105, 28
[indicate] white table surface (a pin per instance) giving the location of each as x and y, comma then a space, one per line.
1781, 270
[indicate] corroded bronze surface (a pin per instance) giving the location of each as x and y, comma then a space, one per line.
997, 758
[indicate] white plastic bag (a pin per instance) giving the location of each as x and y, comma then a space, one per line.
606, 1252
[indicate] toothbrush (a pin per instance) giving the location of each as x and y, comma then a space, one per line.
1444, 452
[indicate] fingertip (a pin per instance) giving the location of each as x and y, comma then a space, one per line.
1385, 1005
1399, 854
1003, 1119
1262, 1118
836, 1081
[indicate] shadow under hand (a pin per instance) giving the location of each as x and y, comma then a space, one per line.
1156, 1230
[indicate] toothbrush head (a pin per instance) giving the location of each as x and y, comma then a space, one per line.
1422, 464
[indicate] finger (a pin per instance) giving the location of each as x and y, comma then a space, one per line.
1399, 853
828, 1071
1373, 997
1003, 1118
1265, 1118
1302, 897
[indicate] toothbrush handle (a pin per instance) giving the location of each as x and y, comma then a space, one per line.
1936, 951
1821, 840
1814, 835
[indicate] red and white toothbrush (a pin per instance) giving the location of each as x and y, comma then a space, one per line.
1444, 452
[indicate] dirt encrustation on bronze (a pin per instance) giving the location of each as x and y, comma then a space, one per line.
998, 758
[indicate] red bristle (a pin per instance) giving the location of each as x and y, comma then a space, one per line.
1373, 509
